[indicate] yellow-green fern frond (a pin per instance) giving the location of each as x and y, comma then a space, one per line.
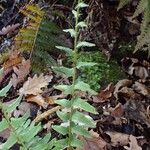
26, 38
39, 37
122, 3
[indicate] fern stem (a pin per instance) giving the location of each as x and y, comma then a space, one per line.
36, 34
13, 130
70, 135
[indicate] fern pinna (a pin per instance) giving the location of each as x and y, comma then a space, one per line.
144, 37
74, 113
23, 131
38, 37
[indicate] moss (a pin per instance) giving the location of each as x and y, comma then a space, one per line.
102, 73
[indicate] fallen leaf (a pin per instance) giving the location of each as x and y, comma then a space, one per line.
9, 28
120, 84
20, 72
33, 85
137, 68
12, 62
118, 138
127, 93
22, 109
104, 95
38, 99
135, 110
141, 88
95, 143
8, 65
133, 144
118, 111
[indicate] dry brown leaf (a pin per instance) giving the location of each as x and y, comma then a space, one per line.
137, 68
50, 100
11, 62
104, 95
127, 93
120, 84
135, 110
118, 111
38, 99
133, 144
8, 65
22, 109
95, 143
33, 85
118, 138
20, 72
141, 88
9, 28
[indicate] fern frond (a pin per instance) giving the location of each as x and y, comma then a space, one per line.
144, 38
39, 38
26, 38
122, 3
37, 60
22, 130
140, 8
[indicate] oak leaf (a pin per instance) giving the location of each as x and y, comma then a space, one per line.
33, 85
20, 72
38, 99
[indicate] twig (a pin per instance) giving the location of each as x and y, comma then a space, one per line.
46, 114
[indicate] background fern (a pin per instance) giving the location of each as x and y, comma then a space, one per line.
39, 38
143, 39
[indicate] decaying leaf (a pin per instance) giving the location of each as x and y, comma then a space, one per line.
22, 109
14, 59
38, 99
94, 143
9, 28
120, 84
118, 138
141, 88
118, 111
20, 72
104, 95
33, 85
135, 110
11, 62
133, 144
134, 67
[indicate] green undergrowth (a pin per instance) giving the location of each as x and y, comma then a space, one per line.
102, 73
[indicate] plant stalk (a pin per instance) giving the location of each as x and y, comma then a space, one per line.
75, 49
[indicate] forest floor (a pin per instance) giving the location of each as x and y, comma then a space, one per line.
123, 100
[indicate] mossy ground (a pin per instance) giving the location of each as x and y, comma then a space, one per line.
101, 74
